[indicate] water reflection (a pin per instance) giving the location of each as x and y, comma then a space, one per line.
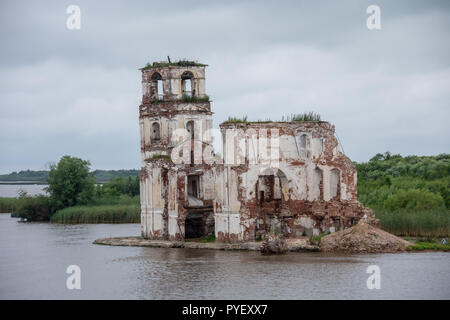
34, 257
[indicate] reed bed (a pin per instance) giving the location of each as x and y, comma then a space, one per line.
8, 205
429, 223
98, 214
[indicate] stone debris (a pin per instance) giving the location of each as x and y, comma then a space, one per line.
274, 245
363, 238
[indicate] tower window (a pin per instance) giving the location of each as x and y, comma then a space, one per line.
156, 88
190, 129
155, 134
187, 84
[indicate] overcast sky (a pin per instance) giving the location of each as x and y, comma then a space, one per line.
77, 92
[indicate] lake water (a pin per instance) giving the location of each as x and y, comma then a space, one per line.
34, 258
12, 190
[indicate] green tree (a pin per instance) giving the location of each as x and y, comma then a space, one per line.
70, 183
414, 199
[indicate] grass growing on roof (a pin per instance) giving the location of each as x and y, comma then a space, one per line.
236, 120
307, 116
187, 98
179, 63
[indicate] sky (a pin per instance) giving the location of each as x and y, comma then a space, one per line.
77, 92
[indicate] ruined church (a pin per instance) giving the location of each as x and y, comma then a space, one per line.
288, 177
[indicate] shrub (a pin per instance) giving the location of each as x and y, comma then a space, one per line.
35, 208
414, 199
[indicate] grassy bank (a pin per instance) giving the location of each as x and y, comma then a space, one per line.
429, 245
425, 223
98, 214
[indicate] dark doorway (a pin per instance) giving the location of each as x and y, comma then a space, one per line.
199, 224
194, 225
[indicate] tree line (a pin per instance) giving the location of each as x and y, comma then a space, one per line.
42, 176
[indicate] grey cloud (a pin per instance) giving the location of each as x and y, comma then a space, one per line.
77, 92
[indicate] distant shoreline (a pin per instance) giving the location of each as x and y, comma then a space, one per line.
2, 182
23, 182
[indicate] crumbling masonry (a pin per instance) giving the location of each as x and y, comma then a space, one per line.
286, 177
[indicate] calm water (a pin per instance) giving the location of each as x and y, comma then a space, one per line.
34, 257
12, 190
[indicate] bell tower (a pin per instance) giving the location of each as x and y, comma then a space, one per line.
175, 122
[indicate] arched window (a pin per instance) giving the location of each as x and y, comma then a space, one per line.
190, 135
190, 129
156, 87
335, 177
187, 84
155, 134
303, 144
317, 188
303, 139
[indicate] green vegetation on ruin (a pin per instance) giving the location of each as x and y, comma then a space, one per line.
185, 99
236, 120
308, 116
179, 63
164, 157
300, 117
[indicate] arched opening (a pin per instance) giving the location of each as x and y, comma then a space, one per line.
303, 139
272, 193
156, 88
303, 142
190, 135
156, 132
317, 187
335, 178
190, 129
187, 84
